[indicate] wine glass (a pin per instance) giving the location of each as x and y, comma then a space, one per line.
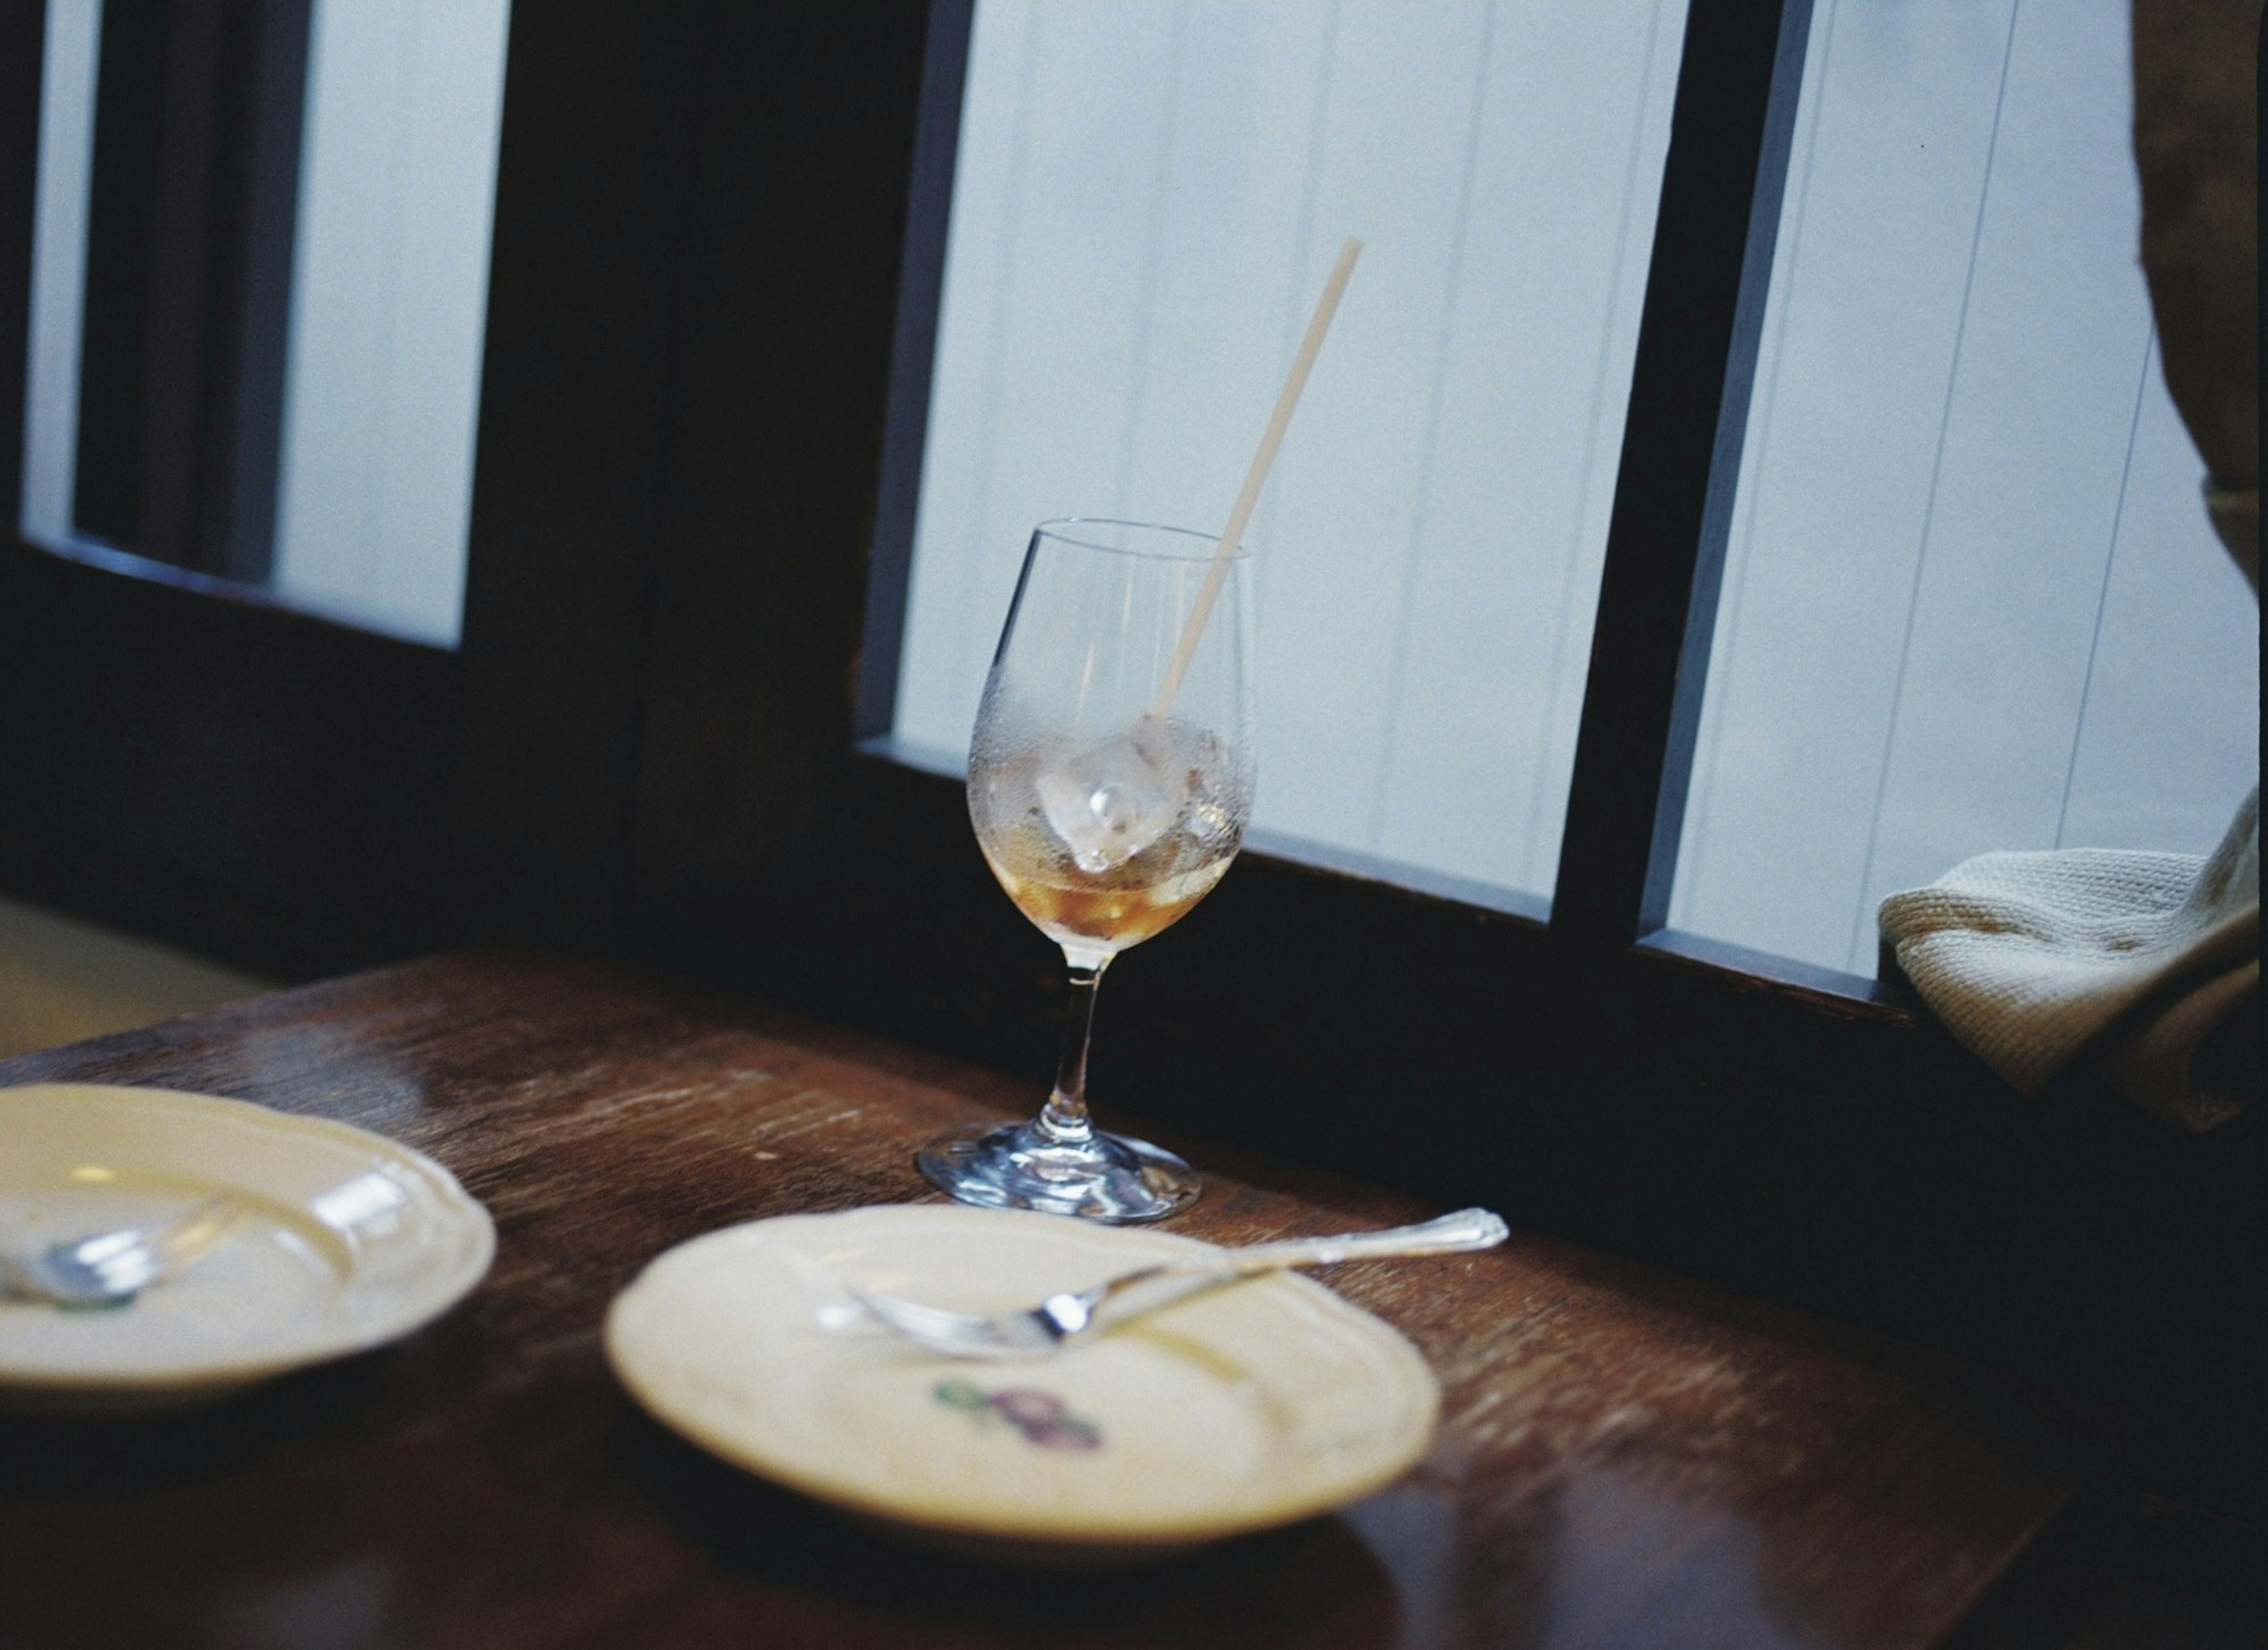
1111, 778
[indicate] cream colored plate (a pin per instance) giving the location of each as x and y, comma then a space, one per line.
356, 1240
1254, 1405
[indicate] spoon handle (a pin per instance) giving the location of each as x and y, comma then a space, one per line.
1132, 1294
1467, 1229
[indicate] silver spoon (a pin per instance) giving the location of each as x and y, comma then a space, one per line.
113, 1265
1038, 1330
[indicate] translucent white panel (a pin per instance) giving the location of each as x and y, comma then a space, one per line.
1972, 599
67, 81
388, 310
1147, 198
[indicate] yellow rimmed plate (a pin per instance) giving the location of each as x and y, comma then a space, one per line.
356, 1240
1251, 1406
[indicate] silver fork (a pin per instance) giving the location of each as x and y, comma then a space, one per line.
113, 1265
1038, 1330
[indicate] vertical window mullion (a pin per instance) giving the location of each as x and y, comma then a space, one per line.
1730, 134
913, 351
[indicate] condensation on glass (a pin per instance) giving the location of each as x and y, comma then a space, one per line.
1146, 200
337, 188
1972, 599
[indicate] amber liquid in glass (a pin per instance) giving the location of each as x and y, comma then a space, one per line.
1105, 910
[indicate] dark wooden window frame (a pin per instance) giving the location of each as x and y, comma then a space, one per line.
1720, 198
718, 226
1721, 193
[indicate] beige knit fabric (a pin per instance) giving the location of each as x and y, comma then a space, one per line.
2131, 958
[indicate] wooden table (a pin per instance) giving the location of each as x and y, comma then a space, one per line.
1625, 1458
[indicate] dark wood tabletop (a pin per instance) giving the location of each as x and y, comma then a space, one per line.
1625, 1458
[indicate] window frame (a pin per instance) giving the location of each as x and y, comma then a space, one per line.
1700, 331
193, 759
575, 791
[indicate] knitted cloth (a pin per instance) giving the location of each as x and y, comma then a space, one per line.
2031, 959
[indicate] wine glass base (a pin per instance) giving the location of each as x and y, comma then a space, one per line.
1112, 1179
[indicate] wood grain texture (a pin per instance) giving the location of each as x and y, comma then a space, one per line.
1625, 1458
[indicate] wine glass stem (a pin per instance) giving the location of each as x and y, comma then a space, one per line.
1063, 1119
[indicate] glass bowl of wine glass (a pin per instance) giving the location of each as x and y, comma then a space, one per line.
1110, 780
